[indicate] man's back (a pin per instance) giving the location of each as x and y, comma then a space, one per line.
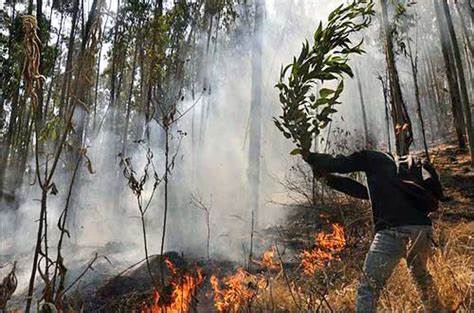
392, 206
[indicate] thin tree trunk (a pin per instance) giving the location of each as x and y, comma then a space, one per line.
429, 103
55, 61
362, 107
431, 113
70, 54
129, 102
206, 83
165, 214
401, 120
461, 80
114, 66
464, 29
41, 32
441, 109
5, 144
414, 69
387, 109
451, 77
469, 64
255, 126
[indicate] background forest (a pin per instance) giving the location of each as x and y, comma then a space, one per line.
133, 129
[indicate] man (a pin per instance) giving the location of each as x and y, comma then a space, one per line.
400, 207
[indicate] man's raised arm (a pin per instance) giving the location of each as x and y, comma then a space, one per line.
356, 162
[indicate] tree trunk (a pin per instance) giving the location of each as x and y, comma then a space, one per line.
129, 101
469, 64
414, 69
431, 103
114, 66
466, 32
387, 115
206, 83
68, 71
42, 30
5, 81
441, 108
451, 77
57, 60
401, 120
255, 126
462, 80
362, 107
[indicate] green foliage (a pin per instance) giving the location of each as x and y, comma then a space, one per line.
403, 21
304, 113
49, 132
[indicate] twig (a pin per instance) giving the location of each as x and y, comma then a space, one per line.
89, 267
285, 276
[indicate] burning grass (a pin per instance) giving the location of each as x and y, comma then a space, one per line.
274, 288
237, 291
322, 277
179, 295
327, 246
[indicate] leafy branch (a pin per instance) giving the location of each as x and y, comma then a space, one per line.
304, 113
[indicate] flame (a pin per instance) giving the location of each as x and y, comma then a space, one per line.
183, 288
238, 290
268, 261
328, 245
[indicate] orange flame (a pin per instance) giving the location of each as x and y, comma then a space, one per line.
328, 245
268, 261
238, 289
183, 288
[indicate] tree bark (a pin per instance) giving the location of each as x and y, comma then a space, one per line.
414, 69
42, 29
461, 80
129, 101
255, 126
464, 29
206, 83
401, 120
362, 107
70, 53
55, 61
456, 108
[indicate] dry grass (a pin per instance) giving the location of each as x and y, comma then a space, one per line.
450, 266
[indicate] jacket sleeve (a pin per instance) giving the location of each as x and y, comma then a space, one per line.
431, 181
347, 186
356, 162
424, 200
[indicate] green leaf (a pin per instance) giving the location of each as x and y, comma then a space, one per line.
325, 92
296, 151
326, 59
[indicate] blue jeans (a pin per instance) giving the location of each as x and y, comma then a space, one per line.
412, 242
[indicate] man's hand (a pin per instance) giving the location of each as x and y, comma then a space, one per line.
318, 172
305, 154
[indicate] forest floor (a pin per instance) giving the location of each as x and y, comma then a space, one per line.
279, 280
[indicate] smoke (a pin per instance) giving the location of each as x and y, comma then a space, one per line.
211, 163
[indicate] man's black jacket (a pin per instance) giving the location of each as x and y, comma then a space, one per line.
392, 205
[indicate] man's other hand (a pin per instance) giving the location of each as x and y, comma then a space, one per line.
305, 154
